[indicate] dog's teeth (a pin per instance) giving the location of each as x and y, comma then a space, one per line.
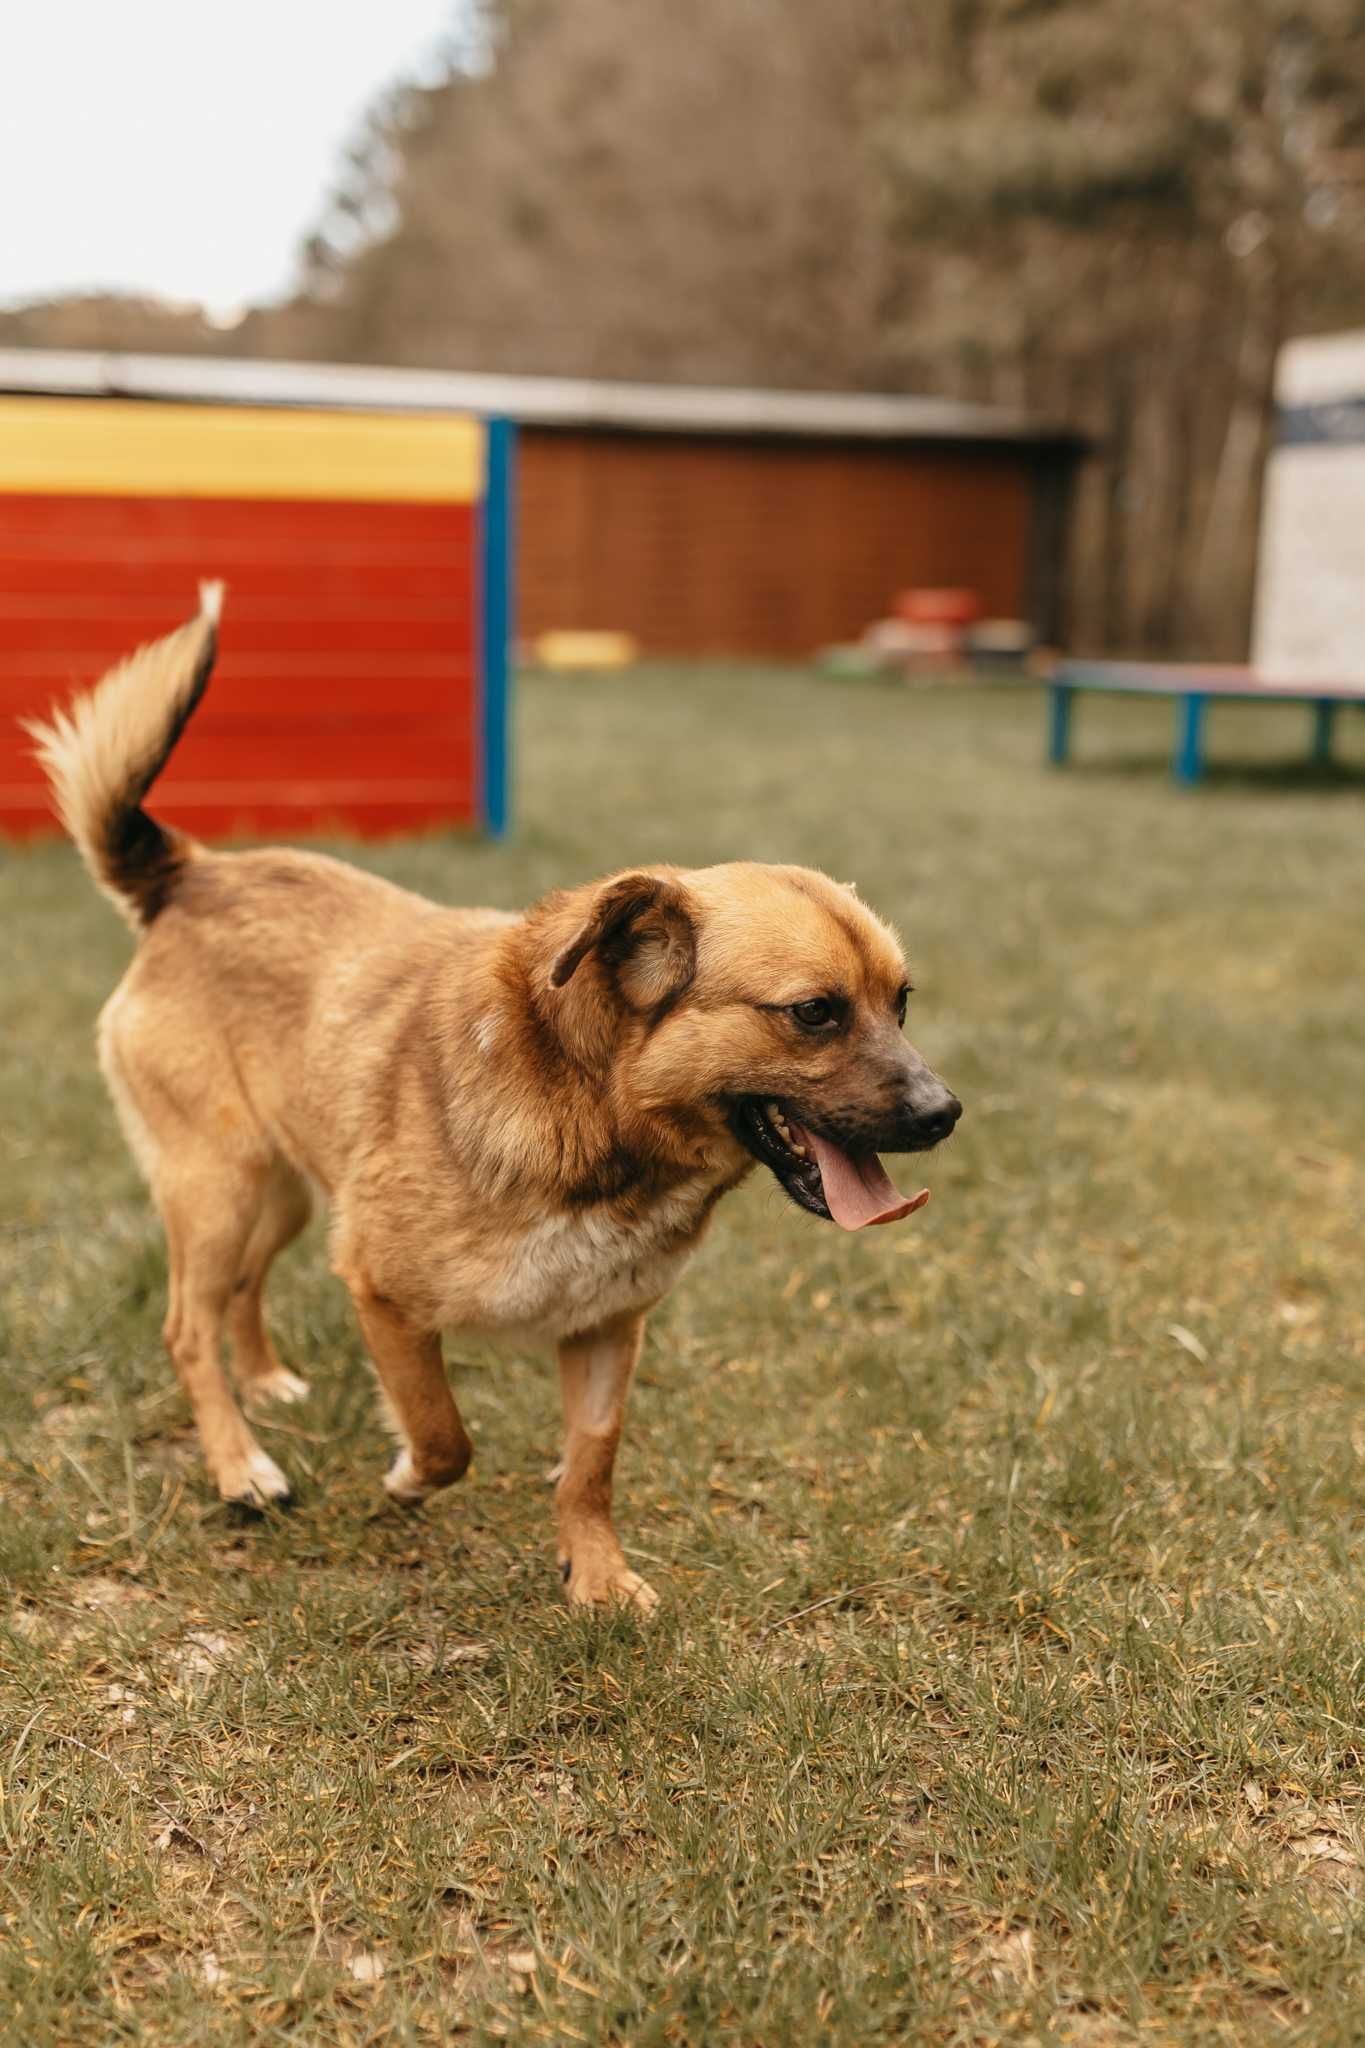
783, 1129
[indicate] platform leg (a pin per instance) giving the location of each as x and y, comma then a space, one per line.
1324, 724
1188, 766
1059, 725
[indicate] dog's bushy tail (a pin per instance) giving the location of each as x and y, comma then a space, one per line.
103, 752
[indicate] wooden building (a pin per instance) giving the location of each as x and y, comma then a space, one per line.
776, 523
363, 652
703, 522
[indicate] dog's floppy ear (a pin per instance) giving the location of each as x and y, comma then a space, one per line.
641, 926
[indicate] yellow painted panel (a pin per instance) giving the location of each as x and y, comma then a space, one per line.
110, 447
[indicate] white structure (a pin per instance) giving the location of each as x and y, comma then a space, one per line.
1310, 588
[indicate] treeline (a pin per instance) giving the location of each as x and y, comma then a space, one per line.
1108, 214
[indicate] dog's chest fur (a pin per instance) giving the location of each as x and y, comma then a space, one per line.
576, 1269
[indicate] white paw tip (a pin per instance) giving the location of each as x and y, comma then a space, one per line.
260, 1484
623, 1589
283, 1386
402, 1484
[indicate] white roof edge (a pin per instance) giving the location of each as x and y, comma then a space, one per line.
536, 401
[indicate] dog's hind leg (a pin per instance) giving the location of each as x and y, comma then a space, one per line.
595, 1372
435, 1448
208, 1216
285, 1208
209, 1167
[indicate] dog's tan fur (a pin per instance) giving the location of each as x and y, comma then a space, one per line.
519, 1122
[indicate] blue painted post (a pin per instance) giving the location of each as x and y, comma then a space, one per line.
1059, 725
496, 624
1324, 723
1188, 765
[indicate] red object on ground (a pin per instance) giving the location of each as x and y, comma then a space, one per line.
938, 607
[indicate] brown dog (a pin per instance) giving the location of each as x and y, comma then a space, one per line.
522, 1124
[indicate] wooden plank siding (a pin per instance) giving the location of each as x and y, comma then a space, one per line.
347, 691
751, 545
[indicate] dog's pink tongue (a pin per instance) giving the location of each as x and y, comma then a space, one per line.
860, 1191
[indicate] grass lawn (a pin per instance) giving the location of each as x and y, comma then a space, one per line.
1009, 1682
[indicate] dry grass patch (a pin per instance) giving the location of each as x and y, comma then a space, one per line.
1008, 1687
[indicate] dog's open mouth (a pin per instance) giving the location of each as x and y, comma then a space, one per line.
852, 1189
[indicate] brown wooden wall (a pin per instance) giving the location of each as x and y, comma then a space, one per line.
755, 546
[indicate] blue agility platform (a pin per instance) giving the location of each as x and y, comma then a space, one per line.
1191, 690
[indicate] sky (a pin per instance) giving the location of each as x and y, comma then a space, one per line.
180, 148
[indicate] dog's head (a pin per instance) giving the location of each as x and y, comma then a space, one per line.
749, 1010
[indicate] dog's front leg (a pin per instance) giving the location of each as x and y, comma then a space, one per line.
435, 1448
594, 1375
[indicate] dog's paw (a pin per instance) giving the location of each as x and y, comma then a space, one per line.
280, 1385
254, 1481
602, 1583
402, 1484
446, 1462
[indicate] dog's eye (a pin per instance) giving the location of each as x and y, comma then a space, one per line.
816, 1015
902, 1003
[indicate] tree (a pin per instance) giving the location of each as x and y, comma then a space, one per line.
1108, 215
632, 189
1164, 199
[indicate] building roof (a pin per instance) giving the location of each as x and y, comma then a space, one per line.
532, 401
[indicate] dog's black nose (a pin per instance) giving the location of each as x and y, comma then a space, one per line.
933, 1125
